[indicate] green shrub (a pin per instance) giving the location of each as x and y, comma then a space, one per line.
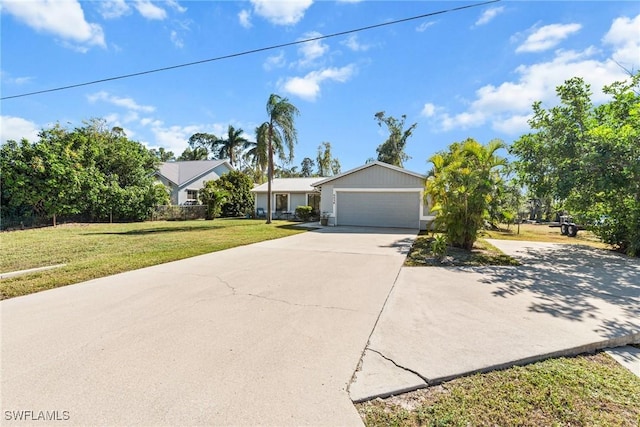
439, 246
304, 212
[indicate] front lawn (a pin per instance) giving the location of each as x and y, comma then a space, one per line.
97, 250
582, 391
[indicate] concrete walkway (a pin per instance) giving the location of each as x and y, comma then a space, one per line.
440, 323
266, 334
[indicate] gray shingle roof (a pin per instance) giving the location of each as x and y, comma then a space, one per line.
183, 172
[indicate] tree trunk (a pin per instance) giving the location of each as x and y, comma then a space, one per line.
269, 174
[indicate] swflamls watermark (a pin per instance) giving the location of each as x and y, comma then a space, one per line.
31, 415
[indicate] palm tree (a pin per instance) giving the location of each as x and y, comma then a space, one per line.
228, 148
461, 184
198, 153
281, 132
256, 153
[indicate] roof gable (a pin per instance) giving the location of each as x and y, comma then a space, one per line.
184, 172
369, 165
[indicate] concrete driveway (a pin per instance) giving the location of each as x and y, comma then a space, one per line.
267, 334
440, 323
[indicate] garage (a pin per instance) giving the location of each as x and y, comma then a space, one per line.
375, 195
378, 209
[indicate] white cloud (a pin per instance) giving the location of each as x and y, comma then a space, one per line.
110, 9
7, 79
127, 103
624, 37
513, 125
176, 39
507, 107
312, 50
547, 37
62, 18
354, 44
16, 128
114, 9
308, 87
275, 61
176, 138
177, 6
488, 15
244, 17
422, 27
429, 110
149, 10
281, 12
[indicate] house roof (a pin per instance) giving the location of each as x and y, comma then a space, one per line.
368, 165
289, 185
181, 173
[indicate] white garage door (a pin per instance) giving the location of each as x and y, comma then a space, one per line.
378, 209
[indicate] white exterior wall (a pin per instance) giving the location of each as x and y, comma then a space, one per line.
295, 199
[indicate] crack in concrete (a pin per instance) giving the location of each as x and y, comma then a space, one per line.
224, 282
235, 293
301, 305
416, 373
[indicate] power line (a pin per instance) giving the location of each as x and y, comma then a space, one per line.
252, 51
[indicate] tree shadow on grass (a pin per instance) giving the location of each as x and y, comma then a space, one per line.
571, 282
141, 232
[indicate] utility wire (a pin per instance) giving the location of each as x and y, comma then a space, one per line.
249, 52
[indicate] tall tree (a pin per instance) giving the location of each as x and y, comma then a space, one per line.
323, 159
306, 167
91, 170
256, 153
230, 146
197, 153
203, 141
392, 150
588, 158
327, 164
335, 166
280, 128
162, 154
461, 185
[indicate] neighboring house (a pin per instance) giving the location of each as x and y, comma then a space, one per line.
184, 179
377, 195
287, 194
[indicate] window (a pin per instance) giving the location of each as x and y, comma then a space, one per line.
313, 200
192, 195
282, 202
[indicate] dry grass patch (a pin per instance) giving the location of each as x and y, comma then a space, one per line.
543, 233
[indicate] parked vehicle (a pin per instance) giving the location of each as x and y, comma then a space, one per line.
567, 226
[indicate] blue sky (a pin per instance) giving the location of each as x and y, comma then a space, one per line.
471, 73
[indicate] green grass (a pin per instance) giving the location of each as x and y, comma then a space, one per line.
582, 391
483, 253
97, 250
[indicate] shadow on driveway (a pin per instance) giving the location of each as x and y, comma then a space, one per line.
570, 280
